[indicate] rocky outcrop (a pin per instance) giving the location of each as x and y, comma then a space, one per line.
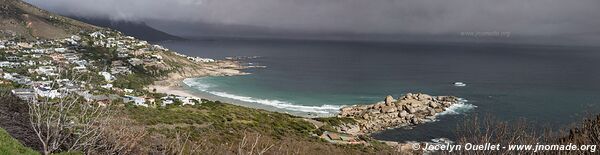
410, 109
184, 68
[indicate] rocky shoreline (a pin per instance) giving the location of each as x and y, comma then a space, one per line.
410, 109
218, 68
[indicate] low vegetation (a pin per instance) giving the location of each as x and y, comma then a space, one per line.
211, 127
219, 127
9, 145
219, 116
336, 121
521, 132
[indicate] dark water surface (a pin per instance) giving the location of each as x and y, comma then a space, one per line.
549, 85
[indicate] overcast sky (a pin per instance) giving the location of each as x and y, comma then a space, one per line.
569, 18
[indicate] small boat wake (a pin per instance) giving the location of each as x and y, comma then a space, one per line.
460, 84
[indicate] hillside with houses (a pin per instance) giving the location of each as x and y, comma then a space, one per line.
101, 66
93, 89
111, 73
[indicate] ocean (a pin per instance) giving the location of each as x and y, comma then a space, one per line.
546, 85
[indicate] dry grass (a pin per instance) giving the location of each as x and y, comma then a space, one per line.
521, 132
587, 133
490, 130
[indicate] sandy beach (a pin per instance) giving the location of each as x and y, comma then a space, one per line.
173, 90
174, 85
178, 87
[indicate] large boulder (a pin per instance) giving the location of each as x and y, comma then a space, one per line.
400, 103
347, 111
403, 114
389, 100
393, 114
424, 97
410, 109
431, 111
415, 120
365, 116
389, 109
378, 105
433, 105
374, 111
353, 129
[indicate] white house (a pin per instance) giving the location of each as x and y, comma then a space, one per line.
75, 38
135, 61
122, 55
81, 62
60, 50
5, 64
8, 76
24, 45
80, 69
13, 58
107, 76
97, 35
46, 70
167, 100
157, 57
107, 86
25, 94
199, 59
47, 92
139, 101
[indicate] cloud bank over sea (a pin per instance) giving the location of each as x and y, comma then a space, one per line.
541, 18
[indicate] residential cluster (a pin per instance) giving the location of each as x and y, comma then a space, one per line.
94, 66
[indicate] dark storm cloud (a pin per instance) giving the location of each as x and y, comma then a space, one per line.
428, 17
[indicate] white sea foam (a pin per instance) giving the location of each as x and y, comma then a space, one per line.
195, 83
461, 107
324, 109
458, 108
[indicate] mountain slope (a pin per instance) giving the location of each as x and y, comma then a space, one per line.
18, 18
136, 29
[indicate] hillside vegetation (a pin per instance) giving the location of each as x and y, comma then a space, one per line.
214, 127
210, 127
24, 20
9, 145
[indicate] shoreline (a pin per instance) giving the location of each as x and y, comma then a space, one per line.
182, 89
178, 87
219, 68
174, 84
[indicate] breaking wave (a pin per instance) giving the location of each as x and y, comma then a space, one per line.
459, 108
324, 109
194, 83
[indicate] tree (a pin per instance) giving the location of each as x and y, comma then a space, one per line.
66, 123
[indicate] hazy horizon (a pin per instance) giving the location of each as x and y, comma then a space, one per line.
513, 21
